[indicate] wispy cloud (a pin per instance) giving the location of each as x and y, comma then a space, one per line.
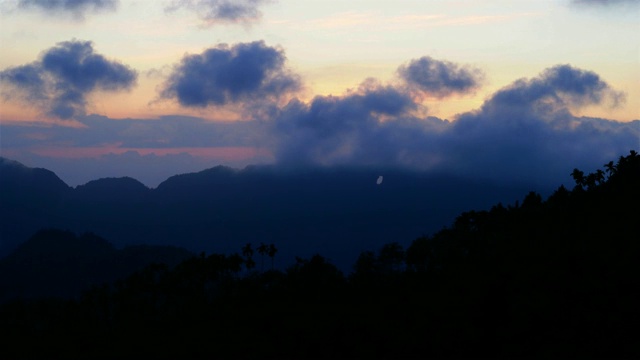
77, 8
605, 2
350, 20
213, 12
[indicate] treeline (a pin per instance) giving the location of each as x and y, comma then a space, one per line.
540, 278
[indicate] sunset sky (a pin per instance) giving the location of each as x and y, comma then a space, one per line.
95, 88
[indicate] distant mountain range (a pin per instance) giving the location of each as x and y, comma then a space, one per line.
334, 211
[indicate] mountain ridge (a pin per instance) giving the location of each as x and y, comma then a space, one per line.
336, 211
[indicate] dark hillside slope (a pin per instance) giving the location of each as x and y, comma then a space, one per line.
30, 198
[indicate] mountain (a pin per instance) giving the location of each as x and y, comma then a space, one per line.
113, 190
30, 198
29, 188
334, 211
57, 263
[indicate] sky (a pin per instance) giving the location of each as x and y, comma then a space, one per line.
517, 90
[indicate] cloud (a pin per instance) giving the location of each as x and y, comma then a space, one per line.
440, 78
150, 150
61, 79
75, 7
229, 74
221, 11
605, 2
555, 89
166, 132
525, 132
339, 129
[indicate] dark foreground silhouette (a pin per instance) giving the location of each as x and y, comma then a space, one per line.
541, 278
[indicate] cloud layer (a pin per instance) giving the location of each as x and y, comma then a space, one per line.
221, 11
524, 132
230, 74
440, 78
61, 79
520, 130
77, 8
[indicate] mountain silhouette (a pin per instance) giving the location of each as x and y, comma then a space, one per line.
34, 188
30, 198
334, 211
113, 190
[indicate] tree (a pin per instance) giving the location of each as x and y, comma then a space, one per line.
418, 254
247, 252
578, 177
366, 265
391, 258
271, 252
611, 168
262, 249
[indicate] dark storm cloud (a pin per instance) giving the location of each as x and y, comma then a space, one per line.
224, 74
524, 132
76, 7
440, 78
63, 77
222, 11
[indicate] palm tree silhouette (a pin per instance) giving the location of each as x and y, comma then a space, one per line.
247, 252
262, 249
579, 178
272, 253
611, 168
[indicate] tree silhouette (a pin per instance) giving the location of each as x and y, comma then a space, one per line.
610, 168
578, 177
391, 258
418, 254
262, 250
247, 252
271, 251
